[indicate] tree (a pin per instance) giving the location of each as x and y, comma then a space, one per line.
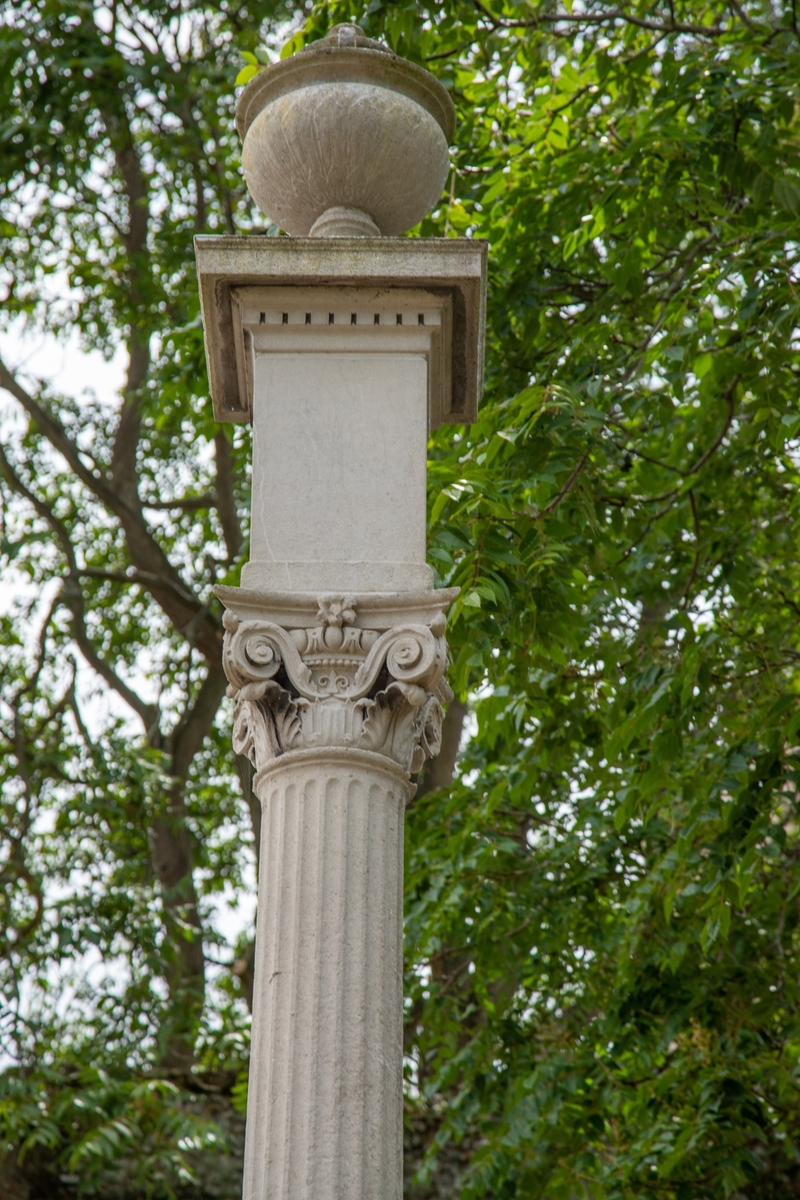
602, 908
119, 146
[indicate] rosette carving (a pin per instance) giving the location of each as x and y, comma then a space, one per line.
336, 684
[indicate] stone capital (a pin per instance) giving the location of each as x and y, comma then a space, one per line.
364, 673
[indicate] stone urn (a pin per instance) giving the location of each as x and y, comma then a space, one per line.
345, 139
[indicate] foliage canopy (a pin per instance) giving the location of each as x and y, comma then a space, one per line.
603, 907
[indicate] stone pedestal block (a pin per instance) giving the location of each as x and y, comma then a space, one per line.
347, 507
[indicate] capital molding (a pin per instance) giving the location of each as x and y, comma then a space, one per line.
263, 295
325, 675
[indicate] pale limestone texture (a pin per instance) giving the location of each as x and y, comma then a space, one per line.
346, 124
344, 350
351, 145
335, 706
346, 383
337, 682
325, 1103
344, 355
341, 221
375, 610
343, 505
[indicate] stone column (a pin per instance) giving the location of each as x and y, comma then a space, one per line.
325, 1117
343, 346
334, 715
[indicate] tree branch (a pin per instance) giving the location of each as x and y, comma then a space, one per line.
687, 591
703, 459
438, 772
554, 503
196, 721
142, 578
614, 14
176, 599
73, 597
226, 495
57, 436
187, 504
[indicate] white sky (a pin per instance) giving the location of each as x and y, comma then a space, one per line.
62, 363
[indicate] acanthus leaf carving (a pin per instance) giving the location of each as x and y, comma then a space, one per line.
336, 684
267, 722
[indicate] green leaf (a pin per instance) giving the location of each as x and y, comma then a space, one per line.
787, 194
763, 187
246, 74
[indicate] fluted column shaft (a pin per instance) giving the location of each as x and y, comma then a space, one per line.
324, 1115
338, 703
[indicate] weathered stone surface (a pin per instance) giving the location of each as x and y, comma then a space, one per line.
336, 684
338, 495
343, 350
345, 144
343, 383
336, 658
369, 610
341, 221
345, 124
324, 1118
334, 714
